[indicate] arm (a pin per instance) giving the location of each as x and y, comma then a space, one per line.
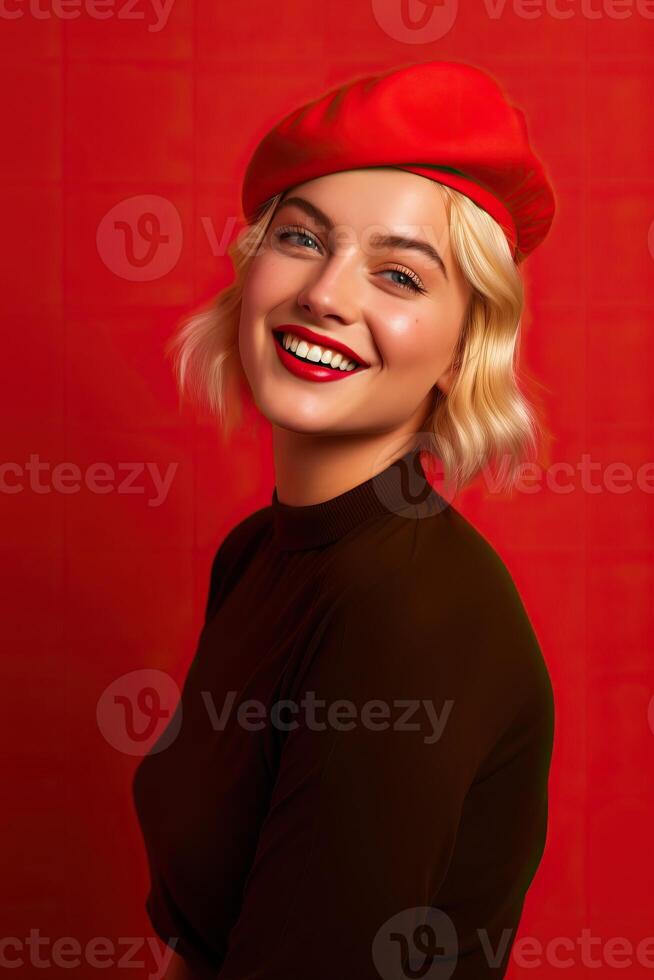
185, 955
367, 823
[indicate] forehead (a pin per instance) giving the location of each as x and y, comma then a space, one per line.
386, 196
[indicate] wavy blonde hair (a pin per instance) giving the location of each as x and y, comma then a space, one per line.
483, 419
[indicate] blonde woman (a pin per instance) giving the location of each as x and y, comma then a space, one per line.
358, 787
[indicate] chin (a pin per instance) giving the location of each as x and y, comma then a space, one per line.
295, 421
288, 414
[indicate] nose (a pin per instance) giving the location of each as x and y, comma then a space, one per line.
331, 292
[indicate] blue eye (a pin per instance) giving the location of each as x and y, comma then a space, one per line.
412, 283
284, 234
288, 232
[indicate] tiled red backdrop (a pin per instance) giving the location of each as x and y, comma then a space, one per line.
108, 103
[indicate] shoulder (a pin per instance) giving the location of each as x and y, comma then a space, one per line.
244, 536
441, 563
438, 598
234, 554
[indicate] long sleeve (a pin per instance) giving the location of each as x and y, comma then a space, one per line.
413, 821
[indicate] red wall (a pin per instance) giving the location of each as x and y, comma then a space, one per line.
99, 584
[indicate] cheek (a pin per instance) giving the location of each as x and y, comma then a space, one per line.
416, 340
268, 285
255, 304
256, 290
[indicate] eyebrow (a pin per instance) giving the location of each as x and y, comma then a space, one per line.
383, 241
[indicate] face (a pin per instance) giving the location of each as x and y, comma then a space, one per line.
331, 276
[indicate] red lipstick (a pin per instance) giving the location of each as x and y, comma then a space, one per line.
318, 338
310, 370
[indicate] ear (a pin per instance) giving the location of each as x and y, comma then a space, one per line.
446, 379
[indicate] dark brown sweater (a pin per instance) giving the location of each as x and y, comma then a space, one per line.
381, 798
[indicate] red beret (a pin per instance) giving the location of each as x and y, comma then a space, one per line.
444, 120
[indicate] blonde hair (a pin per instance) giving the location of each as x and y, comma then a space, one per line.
483, 418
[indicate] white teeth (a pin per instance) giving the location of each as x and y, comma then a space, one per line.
319, 355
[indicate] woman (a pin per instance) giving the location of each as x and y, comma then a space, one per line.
358, 787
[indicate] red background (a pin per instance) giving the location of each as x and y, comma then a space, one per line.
100, 584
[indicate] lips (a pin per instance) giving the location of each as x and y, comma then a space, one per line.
309, 370
323, 341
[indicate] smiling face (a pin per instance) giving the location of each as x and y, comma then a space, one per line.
333, 275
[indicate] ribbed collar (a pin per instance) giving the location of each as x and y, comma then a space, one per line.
402, 489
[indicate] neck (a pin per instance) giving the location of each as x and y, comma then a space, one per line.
401, 489
310, 469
